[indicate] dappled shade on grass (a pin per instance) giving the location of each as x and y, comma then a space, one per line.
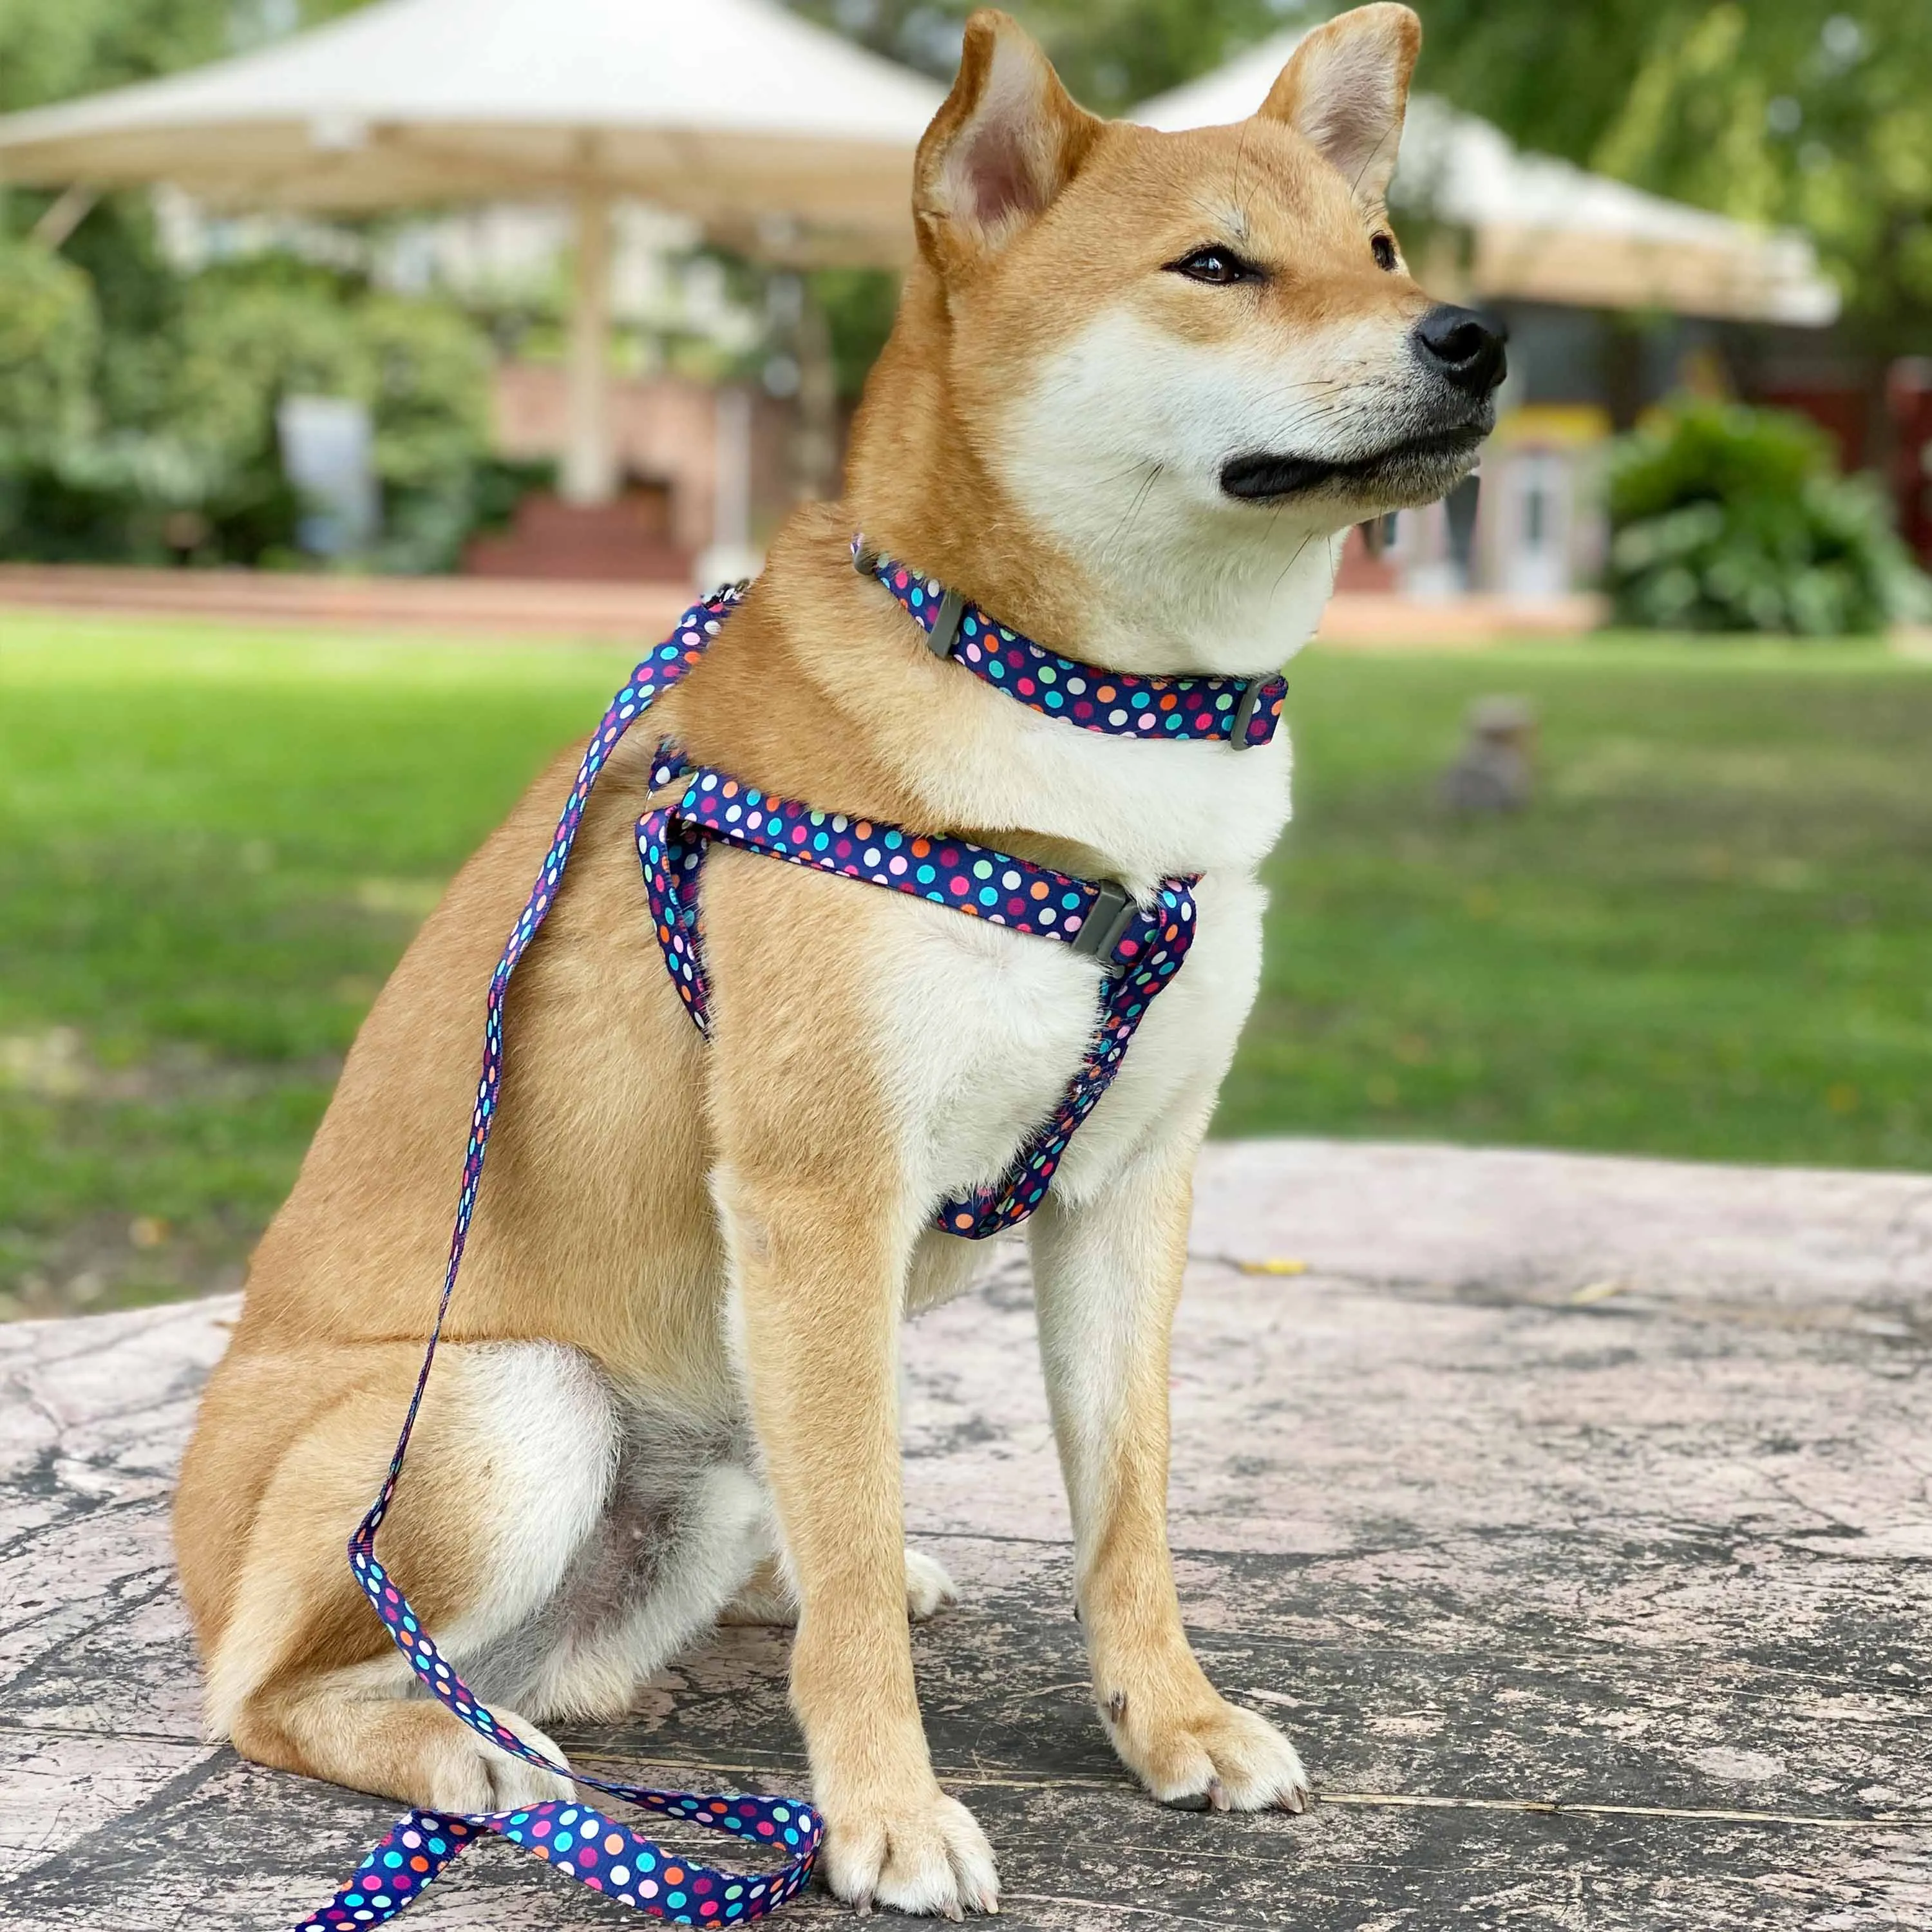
1709, 935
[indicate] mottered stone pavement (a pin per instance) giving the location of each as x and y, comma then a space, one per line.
1574, 1516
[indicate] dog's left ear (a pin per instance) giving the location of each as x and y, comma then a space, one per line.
1345, 90
1004, 143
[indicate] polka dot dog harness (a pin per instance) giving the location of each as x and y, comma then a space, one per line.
1139, 949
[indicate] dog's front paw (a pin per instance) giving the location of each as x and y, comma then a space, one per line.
1205, 1754
921, 1853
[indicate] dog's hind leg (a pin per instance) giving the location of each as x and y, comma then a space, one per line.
513, 1462
684, 1524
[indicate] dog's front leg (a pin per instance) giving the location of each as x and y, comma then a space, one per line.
1107, 1275
821, 1272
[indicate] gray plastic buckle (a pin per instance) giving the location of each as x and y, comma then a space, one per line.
945, 631
1244, 712
1114, 911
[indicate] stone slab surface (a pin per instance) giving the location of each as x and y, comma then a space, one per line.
1574, 1515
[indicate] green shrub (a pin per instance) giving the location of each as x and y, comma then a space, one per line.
50, 340
162, 446
1726, 518
76, 486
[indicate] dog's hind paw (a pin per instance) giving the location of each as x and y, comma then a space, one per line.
768, 1598
929, 1588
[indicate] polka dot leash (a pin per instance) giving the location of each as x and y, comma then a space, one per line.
599, 1851
1139, 948
1239, 711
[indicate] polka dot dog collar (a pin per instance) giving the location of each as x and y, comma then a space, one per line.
1239, 711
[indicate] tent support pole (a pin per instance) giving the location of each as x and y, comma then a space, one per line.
817, 399
589, 474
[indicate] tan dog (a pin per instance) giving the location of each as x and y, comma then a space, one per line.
1138, 383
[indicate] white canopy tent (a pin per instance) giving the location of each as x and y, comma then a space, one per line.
780, 138
1542, 229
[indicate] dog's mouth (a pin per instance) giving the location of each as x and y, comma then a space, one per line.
1416, 469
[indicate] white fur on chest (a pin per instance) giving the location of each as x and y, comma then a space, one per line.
980, 1031
1151, 810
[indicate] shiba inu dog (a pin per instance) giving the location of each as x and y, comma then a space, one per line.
1139, 385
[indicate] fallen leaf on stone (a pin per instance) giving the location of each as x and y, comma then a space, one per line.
1595, 1290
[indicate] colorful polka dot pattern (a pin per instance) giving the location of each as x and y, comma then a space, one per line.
969, 878
1120, 703
597, 1851
605, 1855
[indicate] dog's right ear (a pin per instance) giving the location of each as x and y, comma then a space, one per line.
1005, 143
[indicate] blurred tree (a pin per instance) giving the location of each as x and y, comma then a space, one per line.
138, 403
49, 332
52, 50
1809, 112
49, 51
1111, 53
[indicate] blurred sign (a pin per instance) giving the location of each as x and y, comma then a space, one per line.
1542, 533
328, 445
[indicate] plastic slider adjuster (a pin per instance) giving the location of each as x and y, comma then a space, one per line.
1258, 689
1113, 912
945, 631
865, 559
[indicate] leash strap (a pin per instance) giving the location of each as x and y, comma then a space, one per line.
1140, 948
1238, 711
600, 1853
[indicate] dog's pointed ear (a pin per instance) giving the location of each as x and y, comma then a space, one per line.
1345, 89
1005, 143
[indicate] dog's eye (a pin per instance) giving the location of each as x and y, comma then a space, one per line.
1382, 247
1216, 265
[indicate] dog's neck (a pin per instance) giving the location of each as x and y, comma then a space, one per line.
1124, 572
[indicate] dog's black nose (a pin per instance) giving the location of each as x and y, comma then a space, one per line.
1466, 347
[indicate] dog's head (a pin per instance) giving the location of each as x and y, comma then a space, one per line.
1206, 341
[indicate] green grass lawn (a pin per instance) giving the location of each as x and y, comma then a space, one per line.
1709, 937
